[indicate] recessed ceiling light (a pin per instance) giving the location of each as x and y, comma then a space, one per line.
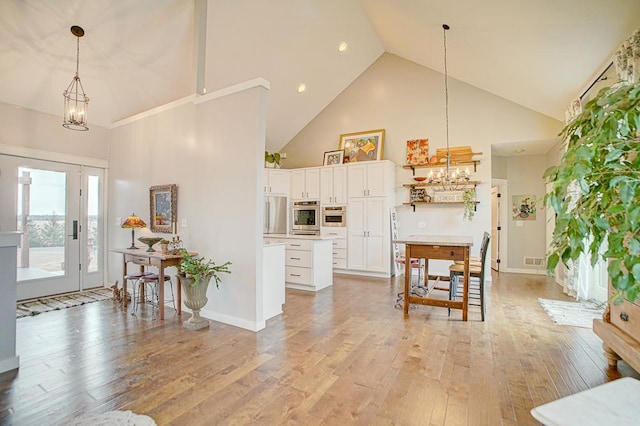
301, 88
342, 46
519, 150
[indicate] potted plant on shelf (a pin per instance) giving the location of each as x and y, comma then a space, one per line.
195, 274
602, 163
469, 201
272, 160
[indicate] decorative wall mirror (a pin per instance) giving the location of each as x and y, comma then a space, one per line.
164, 208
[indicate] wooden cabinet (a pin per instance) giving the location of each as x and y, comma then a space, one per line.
276, 182
333, 185
620, 332
308, 263
305, 184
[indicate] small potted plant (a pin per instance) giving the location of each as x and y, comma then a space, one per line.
272, 160
195, 274
164, 246
469, 201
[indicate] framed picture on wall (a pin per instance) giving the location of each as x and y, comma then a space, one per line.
332, 158
163, 201
362, 146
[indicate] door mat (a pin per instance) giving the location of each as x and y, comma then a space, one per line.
54, 303
577, 314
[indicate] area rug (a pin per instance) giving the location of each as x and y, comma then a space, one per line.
45, 304
112, 418
577, 314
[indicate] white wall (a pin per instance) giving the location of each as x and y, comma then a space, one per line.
25, 128
408, 101
524, 176
213, 151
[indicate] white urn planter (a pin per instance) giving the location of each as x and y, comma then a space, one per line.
195, 298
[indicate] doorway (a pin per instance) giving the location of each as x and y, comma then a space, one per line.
58, 208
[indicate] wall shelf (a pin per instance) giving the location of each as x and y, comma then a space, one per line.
413, 167
429, 203
429, 185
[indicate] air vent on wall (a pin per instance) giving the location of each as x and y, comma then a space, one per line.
534, 261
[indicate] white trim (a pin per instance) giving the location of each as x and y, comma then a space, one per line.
195, 99
153, 111
526, 271
246, 85
364, 273
230, 320
37, 154
9, 364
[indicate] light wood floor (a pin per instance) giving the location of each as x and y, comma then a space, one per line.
342, 356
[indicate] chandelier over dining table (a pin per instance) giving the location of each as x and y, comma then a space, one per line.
448, 179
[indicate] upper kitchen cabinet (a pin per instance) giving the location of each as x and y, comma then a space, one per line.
305, 184
276, 182
333, 185
370, 179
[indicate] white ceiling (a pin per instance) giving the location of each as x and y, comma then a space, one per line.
140, 54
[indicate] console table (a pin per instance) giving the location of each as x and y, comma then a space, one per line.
436, 247
159, 260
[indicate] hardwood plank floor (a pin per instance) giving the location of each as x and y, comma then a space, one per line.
342, 356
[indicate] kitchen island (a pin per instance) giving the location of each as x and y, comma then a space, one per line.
308, 260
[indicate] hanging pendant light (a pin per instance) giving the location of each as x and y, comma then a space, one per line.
75, 100
448, 179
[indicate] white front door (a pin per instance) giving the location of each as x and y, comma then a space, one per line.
44, 200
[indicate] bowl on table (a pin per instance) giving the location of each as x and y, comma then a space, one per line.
150, 241
420, 178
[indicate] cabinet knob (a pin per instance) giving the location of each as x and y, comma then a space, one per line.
624, 316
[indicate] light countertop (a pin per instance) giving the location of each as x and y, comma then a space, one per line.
442, 240
300, 237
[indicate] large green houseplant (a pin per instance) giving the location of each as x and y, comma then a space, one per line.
603, 160
195, 275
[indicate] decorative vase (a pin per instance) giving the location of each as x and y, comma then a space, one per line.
195, 296
164, 248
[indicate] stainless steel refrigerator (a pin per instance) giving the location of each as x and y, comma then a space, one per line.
275, 215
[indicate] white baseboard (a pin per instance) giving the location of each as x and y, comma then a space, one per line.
9, 364
363, 273
526, 271
230, 320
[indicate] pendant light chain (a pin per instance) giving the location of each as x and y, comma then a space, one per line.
77, 56
446, 92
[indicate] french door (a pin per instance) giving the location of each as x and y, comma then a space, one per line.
58, 209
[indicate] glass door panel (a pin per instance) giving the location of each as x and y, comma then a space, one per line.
47, 213
92, 228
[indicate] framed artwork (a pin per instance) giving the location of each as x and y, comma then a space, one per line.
362, 146
418, 151
524, 207
163, 201
333, 157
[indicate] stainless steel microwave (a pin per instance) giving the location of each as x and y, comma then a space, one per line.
334, 216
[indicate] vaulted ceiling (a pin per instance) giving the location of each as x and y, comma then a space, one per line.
140, 54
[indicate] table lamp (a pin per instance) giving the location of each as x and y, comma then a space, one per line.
133, 222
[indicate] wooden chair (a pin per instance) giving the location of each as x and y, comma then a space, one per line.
476, 274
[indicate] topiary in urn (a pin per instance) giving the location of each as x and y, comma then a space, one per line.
195, 274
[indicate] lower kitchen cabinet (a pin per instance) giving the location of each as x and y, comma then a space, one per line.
308, 263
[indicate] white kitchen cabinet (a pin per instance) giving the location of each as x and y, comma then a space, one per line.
276, 182
333, 185
339, 235
308, 262
369, 244
305, 184
370, 179
273, 271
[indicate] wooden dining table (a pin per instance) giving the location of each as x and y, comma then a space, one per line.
436, 247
